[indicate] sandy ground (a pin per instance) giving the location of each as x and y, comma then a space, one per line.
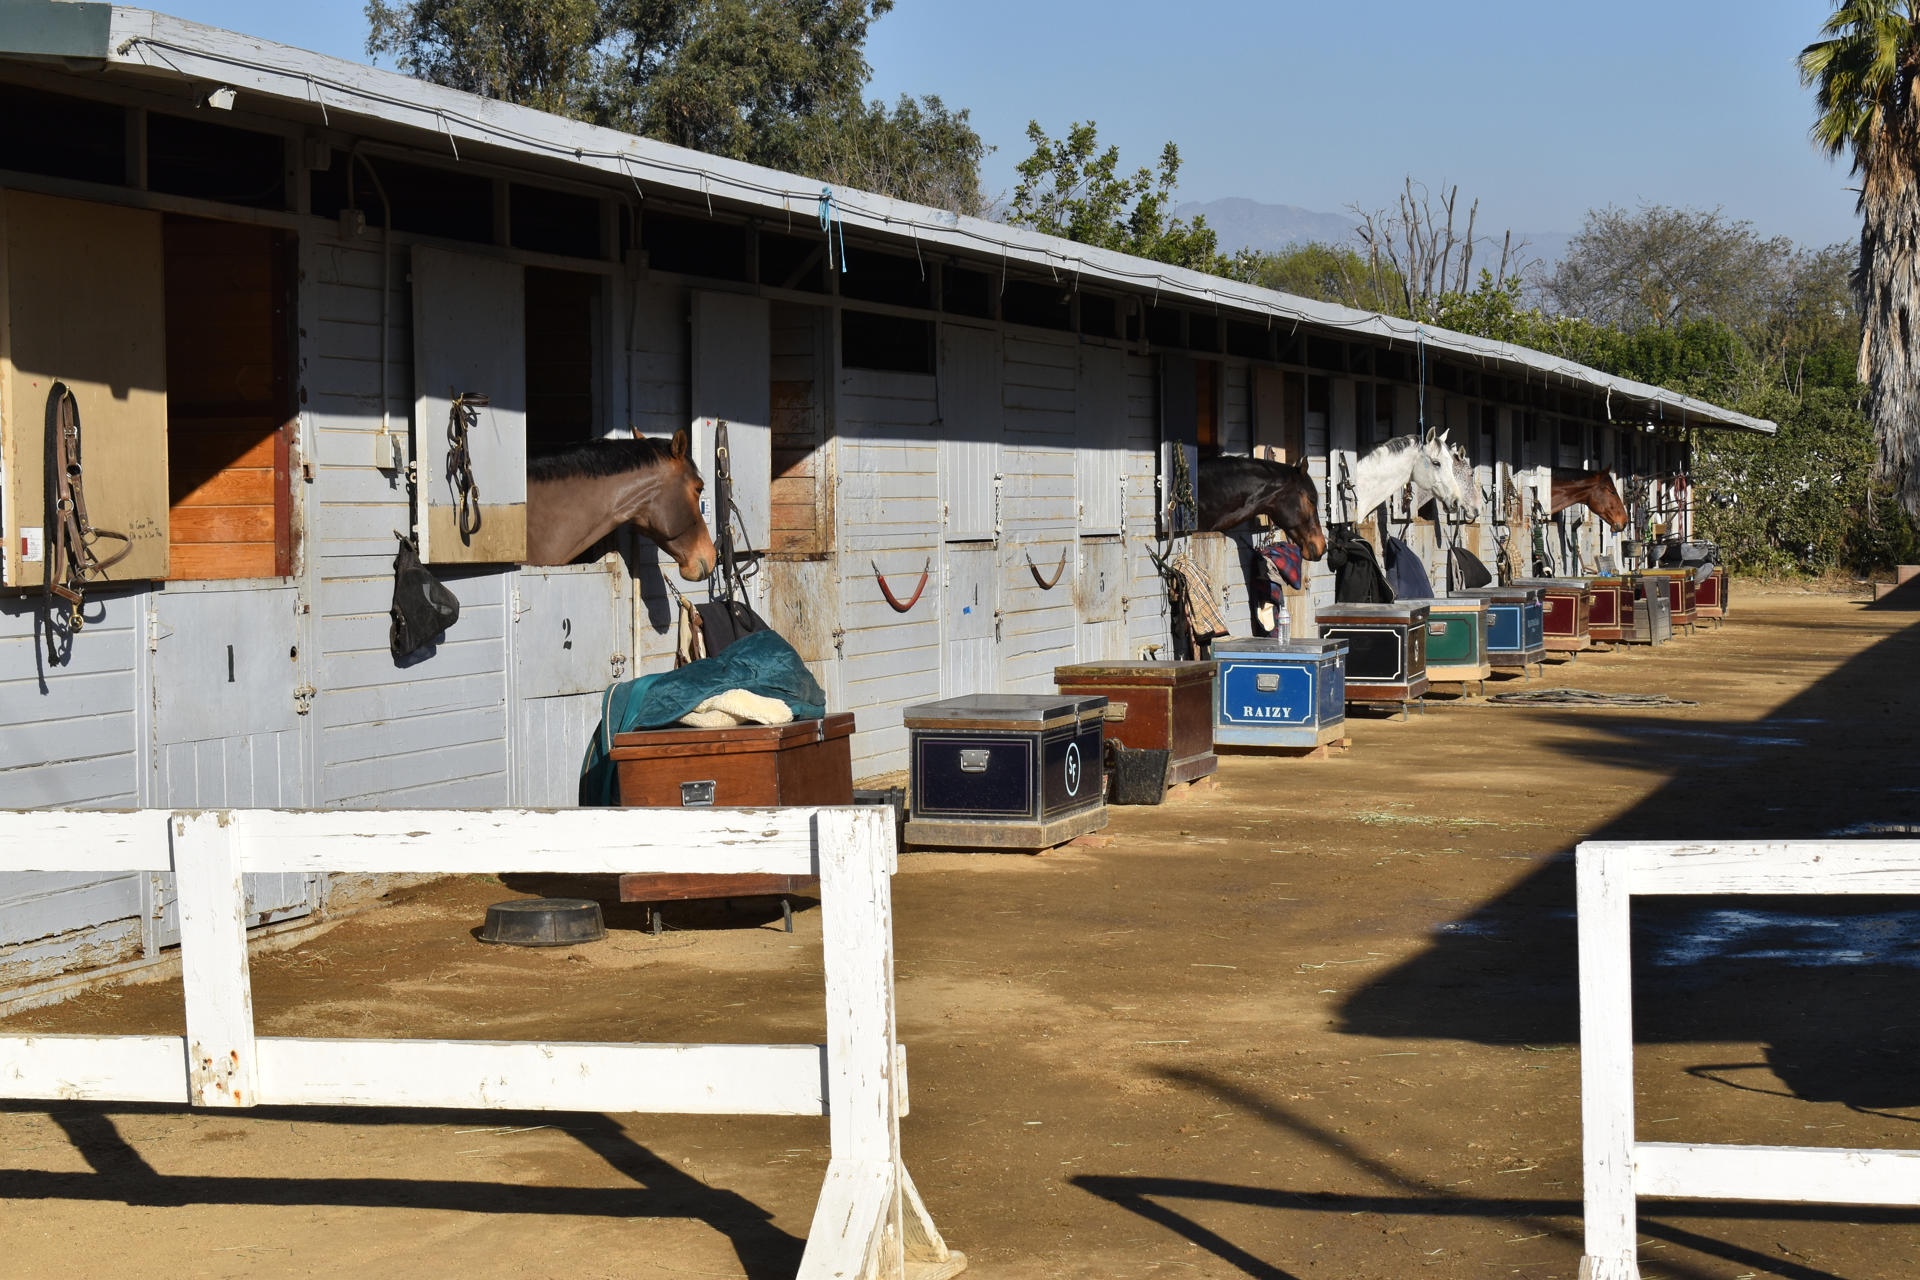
1316, 1023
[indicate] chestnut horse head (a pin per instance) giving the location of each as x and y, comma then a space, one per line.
581, 494
1593, 490
1234, 489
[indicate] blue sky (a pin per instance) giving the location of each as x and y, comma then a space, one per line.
1542, 110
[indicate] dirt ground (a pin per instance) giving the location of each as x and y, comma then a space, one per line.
1316, 1023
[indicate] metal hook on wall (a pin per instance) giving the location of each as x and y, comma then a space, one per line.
1047, 584
893, 600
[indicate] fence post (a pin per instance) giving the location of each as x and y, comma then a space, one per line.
870, 1219
222, 1069
1606, 1065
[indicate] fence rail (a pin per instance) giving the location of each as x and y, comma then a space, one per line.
869, 1221
1618, 1169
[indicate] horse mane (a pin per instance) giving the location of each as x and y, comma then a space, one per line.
601, 458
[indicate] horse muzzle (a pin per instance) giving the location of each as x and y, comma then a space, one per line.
696, 568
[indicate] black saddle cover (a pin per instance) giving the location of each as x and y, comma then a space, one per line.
423, 608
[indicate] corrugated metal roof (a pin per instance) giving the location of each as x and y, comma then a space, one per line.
157, 44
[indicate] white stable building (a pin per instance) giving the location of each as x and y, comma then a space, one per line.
263, 271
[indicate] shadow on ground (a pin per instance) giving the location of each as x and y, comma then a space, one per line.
119, 1174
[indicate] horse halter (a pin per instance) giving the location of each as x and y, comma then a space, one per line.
71, 558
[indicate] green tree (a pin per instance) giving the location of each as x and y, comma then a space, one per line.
1071, 188
1864, 72
1662, 266
538, 53
771, 82
919, 150
1326, 272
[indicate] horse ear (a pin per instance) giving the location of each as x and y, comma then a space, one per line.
680, 443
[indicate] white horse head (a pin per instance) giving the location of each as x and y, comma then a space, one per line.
1437, 469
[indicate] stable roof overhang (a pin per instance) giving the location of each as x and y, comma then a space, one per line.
84, 36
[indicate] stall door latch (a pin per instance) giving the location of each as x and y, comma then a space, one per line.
696, 795
974, 759
303, 699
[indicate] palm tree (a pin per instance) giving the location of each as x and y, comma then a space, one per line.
1865, 73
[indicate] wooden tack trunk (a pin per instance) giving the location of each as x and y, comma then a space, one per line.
808, 762
1516, 626
1710, 595
1457, 629
1610, 616
1280, 693
1386, 648
1652, 610
1566, 616
1153, 706
1005, 771
1681, 603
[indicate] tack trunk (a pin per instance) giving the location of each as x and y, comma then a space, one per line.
1710, 595
1005, 771
1566, 612
1610, 616
1153, 706
1280, 693
1517, 625
807, 762
1457, 639
1386, 648
1681, 601
1652, 610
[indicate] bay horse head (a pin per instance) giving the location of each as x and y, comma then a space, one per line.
1593, 490
1235, 489
579, 495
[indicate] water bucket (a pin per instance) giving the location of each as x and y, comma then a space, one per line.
1136, 775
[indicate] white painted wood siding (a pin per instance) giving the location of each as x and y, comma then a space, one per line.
1040, 382
887, 514
433, 731
970, 430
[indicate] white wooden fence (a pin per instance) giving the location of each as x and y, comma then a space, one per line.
870, 1221
1617, 1168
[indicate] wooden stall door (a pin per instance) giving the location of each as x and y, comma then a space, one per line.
969, 646
1099, 591
469, 335
81, 286
732, 383
229, 411
971, 430
572, 636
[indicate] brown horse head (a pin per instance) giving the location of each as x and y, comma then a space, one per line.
1235, 489
1593, 490
578, 496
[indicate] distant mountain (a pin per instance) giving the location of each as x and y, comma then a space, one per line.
1249, 224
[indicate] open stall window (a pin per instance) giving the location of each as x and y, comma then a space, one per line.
1279, 416
801, 511
230, 411
62, 137
563, 324
889, 344
1207, 390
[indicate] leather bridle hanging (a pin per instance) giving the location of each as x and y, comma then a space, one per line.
71, 558
462, 417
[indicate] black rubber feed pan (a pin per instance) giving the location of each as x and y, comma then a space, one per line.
544, 922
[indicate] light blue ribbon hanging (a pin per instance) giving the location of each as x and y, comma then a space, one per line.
1420, 344
827, 221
